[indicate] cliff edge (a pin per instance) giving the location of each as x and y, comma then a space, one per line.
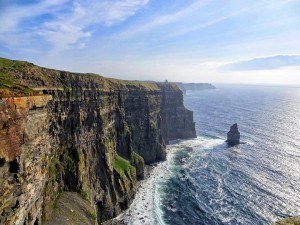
184, 87
64, 132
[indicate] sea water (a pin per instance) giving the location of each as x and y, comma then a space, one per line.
204, 181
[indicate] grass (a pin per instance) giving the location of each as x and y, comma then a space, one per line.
8, 86
136, 158
121, 165
56, 198
12, 64
127, 84
92, 215
6, 81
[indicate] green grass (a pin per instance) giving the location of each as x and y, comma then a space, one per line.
56, 198
136, 158
126, 84
121, 165
8, 86
92, 215
12, 64
5, 80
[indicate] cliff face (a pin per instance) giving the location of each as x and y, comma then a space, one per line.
184, 87
81, 133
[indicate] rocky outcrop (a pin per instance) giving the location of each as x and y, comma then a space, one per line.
159, 116
233, 136
24, 154
289, 221
79, 133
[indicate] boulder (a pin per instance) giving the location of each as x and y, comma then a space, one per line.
233, 136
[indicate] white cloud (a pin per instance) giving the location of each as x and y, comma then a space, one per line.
69, 26
12, 16
187, 70
186, 12
164, 19
263, 63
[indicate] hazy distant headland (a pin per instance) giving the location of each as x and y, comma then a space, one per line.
184, 87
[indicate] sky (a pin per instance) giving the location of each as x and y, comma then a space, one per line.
217, 41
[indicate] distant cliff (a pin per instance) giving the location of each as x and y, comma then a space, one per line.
68, 132
184, 87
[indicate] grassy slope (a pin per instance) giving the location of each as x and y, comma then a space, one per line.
19, 78
122, 166
8, 85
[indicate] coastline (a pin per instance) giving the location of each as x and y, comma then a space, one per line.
145, 208
144, 205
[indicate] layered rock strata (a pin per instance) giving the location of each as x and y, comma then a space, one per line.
68, 132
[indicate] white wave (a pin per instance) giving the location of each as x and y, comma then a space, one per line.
146, 207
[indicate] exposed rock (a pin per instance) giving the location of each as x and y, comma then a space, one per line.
72, 209
233, 136
83, 133
24, 149
289, 221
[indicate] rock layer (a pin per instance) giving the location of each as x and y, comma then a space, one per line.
80, 133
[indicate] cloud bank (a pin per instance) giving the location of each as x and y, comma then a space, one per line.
263, 63
63, 23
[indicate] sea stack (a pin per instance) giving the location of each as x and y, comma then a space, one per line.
233, 136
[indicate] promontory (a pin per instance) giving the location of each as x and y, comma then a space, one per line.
79, 137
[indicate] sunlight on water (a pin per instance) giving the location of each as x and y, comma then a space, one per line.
255, 183
205, 182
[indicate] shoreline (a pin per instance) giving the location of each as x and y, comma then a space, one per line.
143, 204
144, 208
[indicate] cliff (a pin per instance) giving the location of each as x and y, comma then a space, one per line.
63, 132
184, 87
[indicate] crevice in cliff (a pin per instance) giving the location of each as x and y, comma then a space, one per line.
70, 162
14, 166
2, 162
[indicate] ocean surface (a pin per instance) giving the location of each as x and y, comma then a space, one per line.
204, 181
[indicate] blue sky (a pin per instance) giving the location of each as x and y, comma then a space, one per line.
235, 41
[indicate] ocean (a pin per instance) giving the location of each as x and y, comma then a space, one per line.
206, 182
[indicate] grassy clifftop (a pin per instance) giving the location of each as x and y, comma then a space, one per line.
9, 86
20, 78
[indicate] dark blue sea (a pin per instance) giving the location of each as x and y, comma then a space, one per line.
206, 182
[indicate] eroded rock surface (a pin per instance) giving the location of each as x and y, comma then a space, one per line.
80, 133
233, 136
72, 209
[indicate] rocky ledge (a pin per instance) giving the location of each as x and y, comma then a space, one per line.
289, 221
63, 132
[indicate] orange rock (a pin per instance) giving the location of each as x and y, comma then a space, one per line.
13, 113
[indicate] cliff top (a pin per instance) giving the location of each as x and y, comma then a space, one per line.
21, 78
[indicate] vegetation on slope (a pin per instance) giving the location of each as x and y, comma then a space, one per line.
122, 166
19, 78
8, 85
